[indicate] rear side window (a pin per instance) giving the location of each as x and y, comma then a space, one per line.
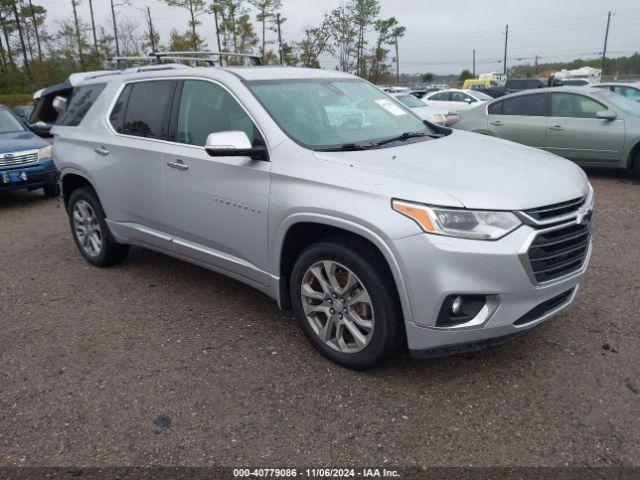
525, 105
117, 114
147, 110
79, 104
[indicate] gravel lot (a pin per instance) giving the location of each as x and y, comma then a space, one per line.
158, 362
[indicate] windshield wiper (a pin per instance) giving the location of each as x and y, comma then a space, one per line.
346, 147
406, 136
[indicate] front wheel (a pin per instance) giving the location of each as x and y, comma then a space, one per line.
346, 303
90, 232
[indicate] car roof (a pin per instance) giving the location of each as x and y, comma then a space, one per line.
243, 73
618, 84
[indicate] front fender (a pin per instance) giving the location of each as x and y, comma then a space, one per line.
383, 246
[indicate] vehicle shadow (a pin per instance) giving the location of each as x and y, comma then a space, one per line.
22, 198
623, 176
208, 288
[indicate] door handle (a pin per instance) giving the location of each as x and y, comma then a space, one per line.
178, 165
497, 123
101, 151
556, 127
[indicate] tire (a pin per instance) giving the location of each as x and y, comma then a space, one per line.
90, 231
342, 254
51, 191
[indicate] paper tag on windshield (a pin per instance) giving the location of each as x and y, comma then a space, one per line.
391, 107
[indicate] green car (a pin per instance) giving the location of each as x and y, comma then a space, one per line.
593, 127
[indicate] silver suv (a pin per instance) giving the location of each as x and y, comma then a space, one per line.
381, 231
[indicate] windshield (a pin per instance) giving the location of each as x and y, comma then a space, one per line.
410, 101
623, 103
9, 122
482, 96
319, 113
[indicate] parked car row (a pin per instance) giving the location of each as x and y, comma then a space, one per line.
591, 126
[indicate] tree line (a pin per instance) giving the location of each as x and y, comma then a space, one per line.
35, 52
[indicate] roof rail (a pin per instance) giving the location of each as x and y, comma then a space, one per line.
195, 55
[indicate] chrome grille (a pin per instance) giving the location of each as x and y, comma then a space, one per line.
18, 158
563, 209
560, 251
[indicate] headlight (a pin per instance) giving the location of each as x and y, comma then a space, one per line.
44, 152
474, 224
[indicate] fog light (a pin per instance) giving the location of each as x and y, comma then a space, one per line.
456, 305
459, 309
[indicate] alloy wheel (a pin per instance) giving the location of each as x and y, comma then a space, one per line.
87, 228
337, 306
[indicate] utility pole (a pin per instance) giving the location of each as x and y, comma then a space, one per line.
152, 33
537, 58
506, 45
93, 28
474, 63
278, 22
35, 28
115, 28
606, 39
78, 37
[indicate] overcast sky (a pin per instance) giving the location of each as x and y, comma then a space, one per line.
440, 35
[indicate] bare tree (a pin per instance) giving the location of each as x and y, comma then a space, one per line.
195, 8
20, 35
267, 9
34, 20
74, 4
115, 22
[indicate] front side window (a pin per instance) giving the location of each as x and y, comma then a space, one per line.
525, 105
495, 108
323, 113
632, 93
441, 97
9, 123
460, 97
482, 96
147, 109
208, 108
574, 105
81, 100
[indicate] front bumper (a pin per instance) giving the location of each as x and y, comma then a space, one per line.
39, 175
435, 267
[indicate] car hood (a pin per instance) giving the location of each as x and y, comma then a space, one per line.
479, 171
16, 141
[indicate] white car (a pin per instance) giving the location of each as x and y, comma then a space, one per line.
456, 101
433, 114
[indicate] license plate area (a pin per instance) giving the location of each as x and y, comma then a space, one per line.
14, 176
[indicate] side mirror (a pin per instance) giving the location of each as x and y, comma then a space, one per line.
606, 115
234, 143
469, 100
40, 129
59, 104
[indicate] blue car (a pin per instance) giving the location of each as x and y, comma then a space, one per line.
25, 158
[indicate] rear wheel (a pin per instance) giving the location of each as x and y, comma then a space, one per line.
90, 232
346, 303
